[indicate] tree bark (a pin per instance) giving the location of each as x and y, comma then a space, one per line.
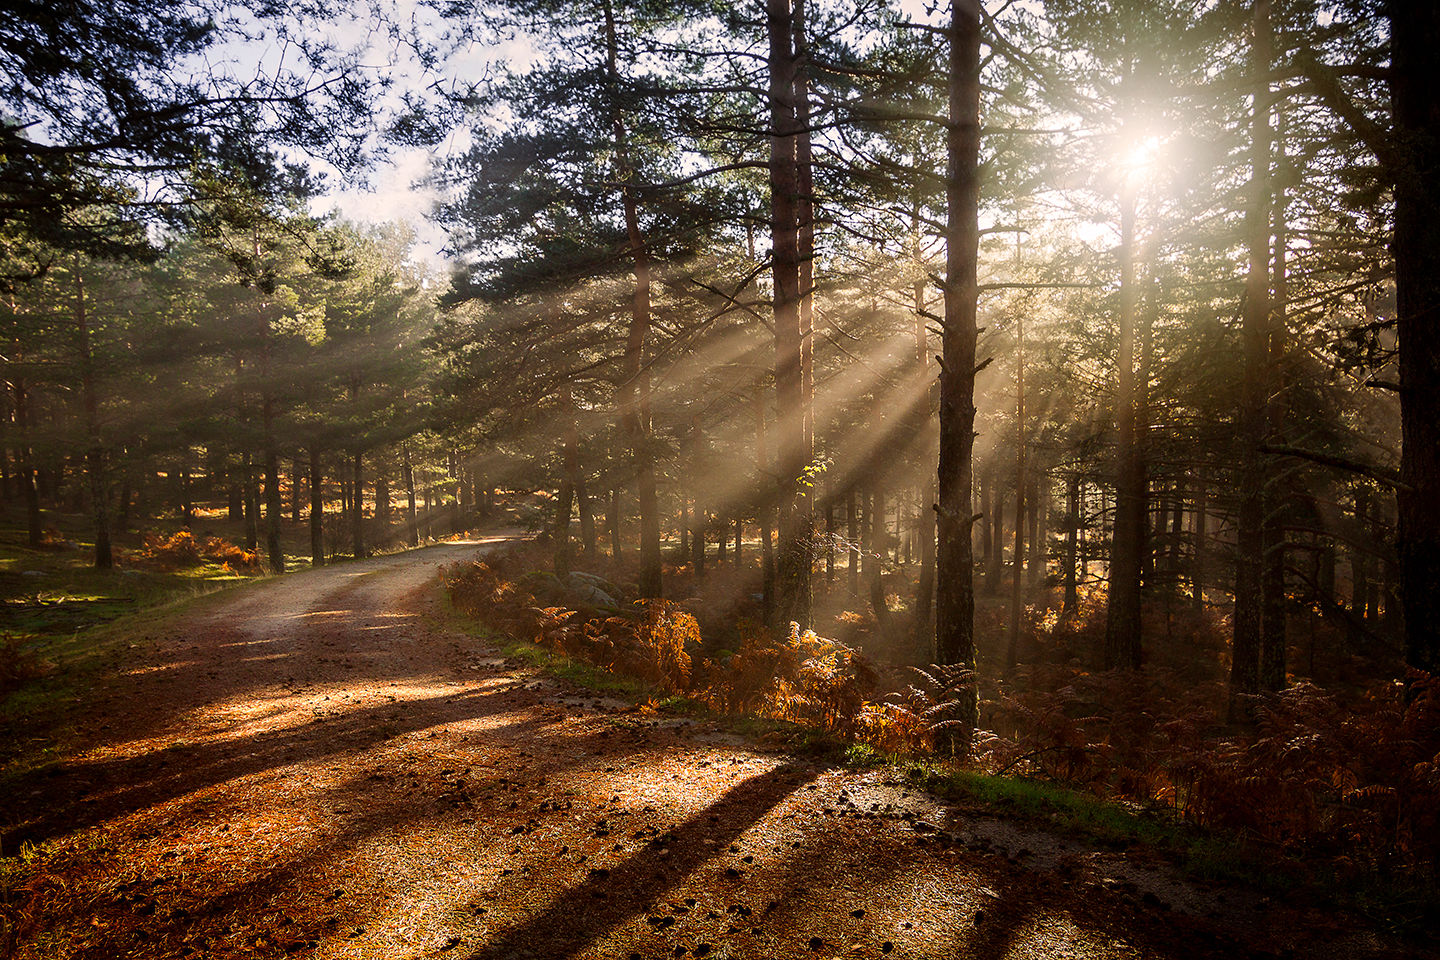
635, 388
1250, 518
1072, 533
317, 509
95, 451
1122, 610
1415, 104
1017, 582
295, 498
407, 471
795, 550
357, 505
954, 559
273, 505
570, 472
766, 488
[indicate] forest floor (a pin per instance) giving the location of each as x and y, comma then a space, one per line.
326, 765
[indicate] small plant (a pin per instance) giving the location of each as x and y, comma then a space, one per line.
937, 712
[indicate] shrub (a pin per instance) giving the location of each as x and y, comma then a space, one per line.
182, 550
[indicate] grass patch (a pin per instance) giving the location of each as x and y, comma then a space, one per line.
63, 626
1203, 855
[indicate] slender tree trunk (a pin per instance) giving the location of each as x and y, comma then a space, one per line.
635, 388
1122, 614
569, 481
407, 472
587, 516
795, 549
766, 487
852, 531
995, 558
1017, 581
1039, 506
923, 625
357, 505
235, 494
317, 508
684, 523
382, 504
95, 451
273, 505
1273, 627
954, 559
805, 247
1249, 532
1197, 562
1415, 104
829, 544
1072, 533
295, 498
613, 522
1360, 558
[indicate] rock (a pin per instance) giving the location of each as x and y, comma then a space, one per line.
588, 588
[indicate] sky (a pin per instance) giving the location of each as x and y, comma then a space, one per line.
395, 189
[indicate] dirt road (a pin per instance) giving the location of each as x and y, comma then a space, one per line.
317, 767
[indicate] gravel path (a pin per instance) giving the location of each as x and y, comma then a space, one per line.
318, 767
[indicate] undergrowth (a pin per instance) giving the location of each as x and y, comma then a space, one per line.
1350, 789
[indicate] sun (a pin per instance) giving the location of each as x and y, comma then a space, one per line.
1139, 155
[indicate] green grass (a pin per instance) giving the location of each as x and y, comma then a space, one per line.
64, 625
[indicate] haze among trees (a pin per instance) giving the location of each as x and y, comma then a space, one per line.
1017, 338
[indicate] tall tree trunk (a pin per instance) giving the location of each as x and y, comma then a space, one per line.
1017, 582
954, 559
295, 497
852, 531
357, 505
1039, 505
569, 481
698, 523
382, 503
1415, 102
1273, 626
922, 628
588, 539
829, 545
1360, 557
95, 450
635, 388
1255, 343
612, 521
684, 522
804, 236
273, 505
1072, 533
235, 494
1122, 613
252, 504
1202, 519
317, 509
795, 548
995, 557
407, 471
766, 488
